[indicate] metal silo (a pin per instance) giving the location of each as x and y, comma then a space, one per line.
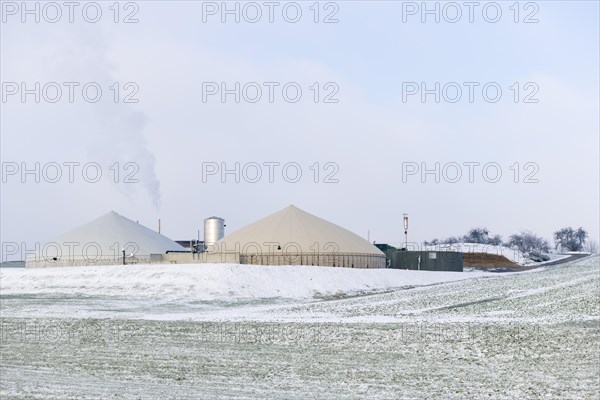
214, 230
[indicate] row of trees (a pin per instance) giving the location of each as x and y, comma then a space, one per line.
475, 235
566, 239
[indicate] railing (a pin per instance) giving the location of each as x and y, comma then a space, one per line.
467, 248
347, 260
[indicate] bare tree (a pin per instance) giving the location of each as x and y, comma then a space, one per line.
591, 246
451, 240
496, 240
527, 242
569, 239
477, 235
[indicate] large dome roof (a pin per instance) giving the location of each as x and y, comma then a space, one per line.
109, 234
296, 230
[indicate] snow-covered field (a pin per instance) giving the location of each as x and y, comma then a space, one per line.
168, 291
300, 332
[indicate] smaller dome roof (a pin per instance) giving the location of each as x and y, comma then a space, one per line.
109, 233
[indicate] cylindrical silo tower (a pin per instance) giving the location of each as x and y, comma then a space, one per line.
214, 230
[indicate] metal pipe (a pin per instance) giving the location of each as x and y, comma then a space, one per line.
405, 223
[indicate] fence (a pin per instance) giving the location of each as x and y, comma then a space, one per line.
346, 260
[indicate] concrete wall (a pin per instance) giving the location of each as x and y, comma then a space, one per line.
201, 258
171, 258
12, 264
79, 262
326, 260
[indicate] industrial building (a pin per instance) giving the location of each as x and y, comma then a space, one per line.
292, 236
109, 239
422, 260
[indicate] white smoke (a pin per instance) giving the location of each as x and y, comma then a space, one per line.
116, 129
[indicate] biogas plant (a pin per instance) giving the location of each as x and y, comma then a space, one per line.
289, 236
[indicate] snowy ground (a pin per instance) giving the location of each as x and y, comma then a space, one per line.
511, 254
168, 291
328, 333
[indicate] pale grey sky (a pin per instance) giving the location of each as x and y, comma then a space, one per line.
365, 65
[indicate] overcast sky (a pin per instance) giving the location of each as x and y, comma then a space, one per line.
360, 116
